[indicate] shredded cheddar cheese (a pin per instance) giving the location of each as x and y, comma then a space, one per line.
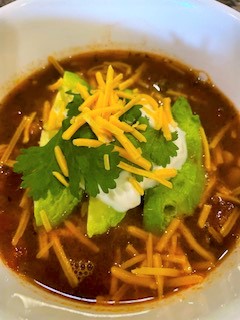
88, 103
24, 219
141, 162
56, 85
43, 253
167, 110
215, 234
64, 261
218, 137
81, 237
26, 132
131, 262
137, 232
141, 127
106, 162
204, 215
108, 86
131, 250
21, 226
81, 142
60, 178
14, 140
148, 174
44, 244
56, 64
119, 294
45, 221
207, 158
184, 281
173, 226
229, 224
130, 81
78, 122
61, 160
83, 91
130, 278
186, 233
114, 281
136, 185
128, 146
46, 111
149, 250
100, 81
167, 272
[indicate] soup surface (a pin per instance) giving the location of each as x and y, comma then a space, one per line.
140, 254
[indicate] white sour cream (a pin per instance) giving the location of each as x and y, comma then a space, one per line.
125, 196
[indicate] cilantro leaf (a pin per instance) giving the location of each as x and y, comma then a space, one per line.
158, 149
72, 107
86, 165
132, 115
36, 165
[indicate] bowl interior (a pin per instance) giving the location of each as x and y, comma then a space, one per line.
201, 34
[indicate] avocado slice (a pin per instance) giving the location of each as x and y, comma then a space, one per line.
161, 204
57, 207
101, 217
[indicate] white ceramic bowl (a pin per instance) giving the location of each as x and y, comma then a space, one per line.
203, 34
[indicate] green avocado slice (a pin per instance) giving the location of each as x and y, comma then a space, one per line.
161, 204
101, 217
57, 207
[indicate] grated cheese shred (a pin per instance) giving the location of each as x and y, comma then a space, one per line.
64, 261
229, 224
106, 162
207, 157
81, 142
61, 160
44, 244
14, 140
24, 219
136, 185
26, 132
45, 221
204, 215
147, 174
60, 178
81, 237
56, 64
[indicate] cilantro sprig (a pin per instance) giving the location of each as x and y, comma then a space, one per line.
86, 165
158, 149
36, 165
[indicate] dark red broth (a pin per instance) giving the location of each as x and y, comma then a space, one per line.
214, 109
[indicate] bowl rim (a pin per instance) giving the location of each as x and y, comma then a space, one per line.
14, 6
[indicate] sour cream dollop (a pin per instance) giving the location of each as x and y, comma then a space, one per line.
125, 196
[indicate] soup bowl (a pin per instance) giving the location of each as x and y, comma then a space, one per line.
202, 34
